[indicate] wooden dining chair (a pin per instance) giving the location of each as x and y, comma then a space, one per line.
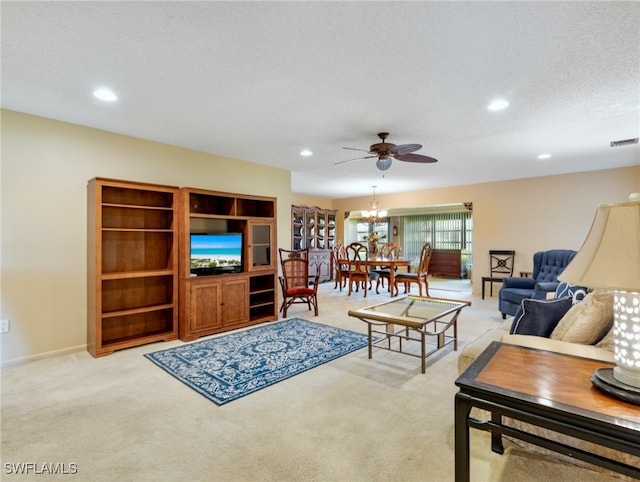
340, 270
419, 276
297, 285
359, 269
390, 250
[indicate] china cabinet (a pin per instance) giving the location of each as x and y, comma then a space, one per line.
314, 228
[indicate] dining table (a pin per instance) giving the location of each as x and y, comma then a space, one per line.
380, 262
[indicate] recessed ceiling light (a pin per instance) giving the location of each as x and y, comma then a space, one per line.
544, 156
105, 95
306, 153
498, 104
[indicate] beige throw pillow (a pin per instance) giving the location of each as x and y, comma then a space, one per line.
587, 321
607, 342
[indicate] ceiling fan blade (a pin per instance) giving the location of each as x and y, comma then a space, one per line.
415, 158
405, 149
354, 149
355, 159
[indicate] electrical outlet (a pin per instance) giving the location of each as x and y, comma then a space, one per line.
4, 326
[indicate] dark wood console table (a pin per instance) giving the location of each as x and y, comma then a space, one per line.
549, 390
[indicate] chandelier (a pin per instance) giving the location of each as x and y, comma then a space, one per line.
374, 215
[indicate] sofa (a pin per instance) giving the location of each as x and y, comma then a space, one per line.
585, 329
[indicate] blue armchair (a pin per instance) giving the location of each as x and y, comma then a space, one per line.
547, 266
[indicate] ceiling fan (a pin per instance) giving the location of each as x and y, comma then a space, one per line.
387, 152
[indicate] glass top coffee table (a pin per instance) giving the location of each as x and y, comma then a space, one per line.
418, 317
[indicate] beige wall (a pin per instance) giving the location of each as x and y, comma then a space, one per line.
46, 165
312, 201
45, 168
527, 215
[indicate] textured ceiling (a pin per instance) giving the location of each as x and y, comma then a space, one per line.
260, 81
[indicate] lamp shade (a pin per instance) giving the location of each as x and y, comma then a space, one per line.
610, 255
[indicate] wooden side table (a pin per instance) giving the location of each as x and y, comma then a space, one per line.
549, 390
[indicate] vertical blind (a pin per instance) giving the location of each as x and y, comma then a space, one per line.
442, 231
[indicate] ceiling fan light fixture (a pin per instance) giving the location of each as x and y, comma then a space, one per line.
384, 163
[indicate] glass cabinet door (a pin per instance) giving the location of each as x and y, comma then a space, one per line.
297, 228
310, 229
321, 234
261, 246
331, 230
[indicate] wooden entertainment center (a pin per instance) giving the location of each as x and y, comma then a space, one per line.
141, 288
212, 304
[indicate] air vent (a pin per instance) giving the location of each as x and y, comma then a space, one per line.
624, 142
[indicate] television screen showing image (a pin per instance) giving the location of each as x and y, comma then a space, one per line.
221, 251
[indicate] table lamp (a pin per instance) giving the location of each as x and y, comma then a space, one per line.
610, 258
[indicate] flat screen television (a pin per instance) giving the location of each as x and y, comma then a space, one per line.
216, 253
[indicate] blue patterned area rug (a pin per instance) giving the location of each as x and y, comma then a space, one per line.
231, 366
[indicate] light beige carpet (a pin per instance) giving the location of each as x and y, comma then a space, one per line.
121, 417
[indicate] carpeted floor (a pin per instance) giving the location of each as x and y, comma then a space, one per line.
120, 418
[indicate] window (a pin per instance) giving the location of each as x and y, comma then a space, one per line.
363, 229
443, 231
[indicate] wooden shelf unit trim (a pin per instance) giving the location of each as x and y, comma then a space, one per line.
125, 341
136, 230
136, 206
135, 311
137, 274
257, 292
220, 216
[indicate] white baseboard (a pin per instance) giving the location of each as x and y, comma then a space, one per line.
42, 356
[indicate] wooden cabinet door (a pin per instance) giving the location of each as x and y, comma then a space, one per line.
235, 301
219, 303
325, 271
205, 306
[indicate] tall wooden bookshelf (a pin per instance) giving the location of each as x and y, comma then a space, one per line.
132, 264
220, 302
